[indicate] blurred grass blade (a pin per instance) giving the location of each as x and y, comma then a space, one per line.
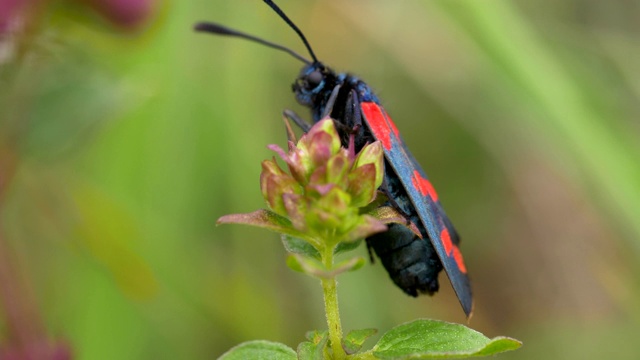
607, 157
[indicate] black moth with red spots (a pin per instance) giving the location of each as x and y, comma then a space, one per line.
413, 262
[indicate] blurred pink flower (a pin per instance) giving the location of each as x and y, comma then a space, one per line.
38, 351
9, 11
124, 13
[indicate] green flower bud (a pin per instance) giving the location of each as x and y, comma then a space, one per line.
372, 154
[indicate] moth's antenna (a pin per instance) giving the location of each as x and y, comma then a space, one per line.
293, 26
218, 29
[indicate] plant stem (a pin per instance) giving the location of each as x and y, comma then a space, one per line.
329, 287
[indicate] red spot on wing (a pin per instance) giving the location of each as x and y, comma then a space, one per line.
457, 256
445, 238
423, 185
452, 250
392, 125
377, 122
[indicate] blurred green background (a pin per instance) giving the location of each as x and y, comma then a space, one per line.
121, 145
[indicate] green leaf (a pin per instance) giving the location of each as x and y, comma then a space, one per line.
310, 351
424, 339
307, 265
264, 219
347, 246
352, 343
313, 349
315, 268
259, 349
348, 265
293, 264
299, 246
315, 336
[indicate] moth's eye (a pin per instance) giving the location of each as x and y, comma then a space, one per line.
314, 79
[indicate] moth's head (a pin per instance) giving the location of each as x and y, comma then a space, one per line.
312, 81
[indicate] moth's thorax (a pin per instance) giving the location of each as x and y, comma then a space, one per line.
314, 86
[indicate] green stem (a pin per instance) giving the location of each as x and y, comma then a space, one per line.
329, 287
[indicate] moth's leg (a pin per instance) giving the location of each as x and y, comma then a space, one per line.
357, 115
331, 102
302, 124
353, 116
370, 251
384, 187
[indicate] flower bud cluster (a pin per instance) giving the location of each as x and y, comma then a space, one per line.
326, 185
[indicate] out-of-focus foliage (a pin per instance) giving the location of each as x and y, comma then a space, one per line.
120, 146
